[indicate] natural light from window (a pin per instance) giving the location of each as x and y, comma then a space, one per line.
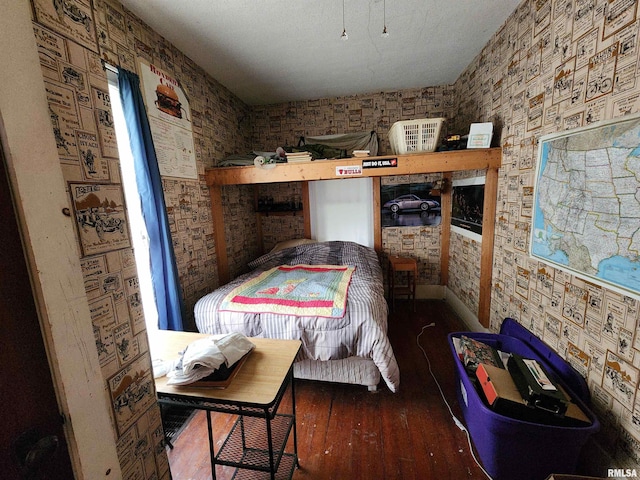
138, 229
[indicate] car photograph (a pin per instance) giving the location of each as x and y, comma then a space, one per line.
411, 201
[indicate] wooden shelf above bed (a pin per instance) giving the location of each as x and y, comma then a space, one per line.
450, 161
489, 160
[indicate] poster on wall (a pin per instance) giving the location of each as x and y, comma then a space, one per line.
100, 217
170, 122
586, 210
409, 204
467, 205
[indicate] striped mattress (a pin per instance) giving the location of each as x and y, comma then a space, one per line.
362, 332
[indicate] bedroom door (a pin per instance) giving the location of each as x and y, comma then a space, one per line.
32, 444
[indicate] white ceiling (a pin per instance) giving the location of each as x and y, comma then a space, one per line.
273, 51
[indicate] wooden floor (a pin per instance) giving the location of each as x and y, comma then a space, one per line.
347, 432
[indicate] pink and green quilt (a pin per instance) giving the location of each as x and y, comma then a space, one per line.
302, 290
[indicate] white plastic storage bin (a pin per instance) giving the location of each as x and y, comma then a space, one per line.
419, 135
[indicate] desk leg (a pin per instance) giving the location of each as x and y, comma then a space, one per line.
211, 452
272, 467
295, 432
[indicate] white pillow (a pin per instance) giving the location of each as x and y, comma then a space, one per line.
291, 243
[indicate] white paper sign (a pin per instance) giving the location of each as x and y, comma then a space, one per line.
170, 123
480, 135
348, 171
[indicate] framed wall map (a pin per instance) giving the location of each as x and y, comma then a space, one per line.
586, 215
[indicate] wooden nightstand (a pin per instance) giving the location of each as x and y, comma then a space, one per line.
410, 267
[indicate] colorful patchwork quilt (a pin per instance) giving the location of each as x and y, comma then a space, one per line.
308, 290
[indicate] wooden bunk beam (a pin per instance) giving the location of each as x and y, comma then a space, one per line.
486, 256
217, 216
415, 163
445, 226
488, 160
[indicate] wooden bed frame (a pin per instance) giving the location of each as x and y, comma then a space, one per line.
448, 162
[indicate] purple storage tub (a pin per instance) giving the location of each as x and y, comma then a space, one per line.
512, 449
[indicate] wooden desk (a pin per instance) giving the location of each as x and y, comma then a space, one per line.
254, 395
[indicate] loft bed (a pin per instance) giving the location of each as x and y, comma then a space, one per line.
407, 164
356, 369
319, 147
447, 162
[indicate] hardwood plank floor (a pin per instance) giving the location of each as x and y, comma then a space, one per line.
347, 432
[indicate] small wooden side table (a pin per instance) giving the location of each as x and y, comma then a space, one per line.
403, 264
258, 439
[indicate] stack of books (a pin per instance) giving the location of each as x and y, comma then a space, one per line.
296, 157
361, 153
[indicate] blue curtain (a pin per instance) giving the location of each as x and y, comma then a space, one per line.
164, 273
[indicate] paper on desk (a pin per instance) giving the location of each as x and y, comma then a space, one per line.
204, 356
161, 367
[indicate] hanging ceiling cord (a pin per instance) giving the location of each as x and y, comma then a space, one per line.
344, 35
455, 419
384, 30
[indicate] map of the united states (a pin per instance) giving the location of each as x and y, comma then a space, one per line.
587, 203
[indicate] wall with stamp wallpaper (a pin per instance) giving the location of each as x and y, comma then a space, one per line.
530, 79
240, 227
276, 228
71, 44
541, 73
464, 274
284, 124
420, 242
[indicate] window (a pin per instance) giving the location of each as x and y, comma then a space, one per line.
136, 223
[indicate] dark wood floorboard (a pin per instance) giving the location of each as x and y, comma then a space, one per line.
347, 432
